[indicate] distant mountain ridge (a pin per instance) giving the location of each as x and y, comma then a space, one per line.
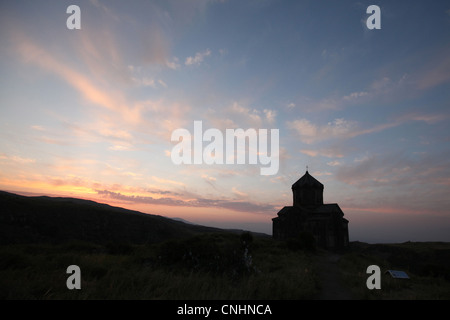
53, 219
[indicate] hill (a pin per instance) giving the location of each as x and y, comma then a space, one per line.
54, 220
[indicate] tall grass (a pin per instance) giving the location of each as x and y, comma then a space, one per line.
211, 266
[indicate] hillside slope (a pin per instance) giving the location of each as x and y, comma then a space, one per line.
45, 219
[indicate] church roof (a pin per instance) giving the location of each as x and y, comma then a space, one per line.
324, 209
307, 181
328, 208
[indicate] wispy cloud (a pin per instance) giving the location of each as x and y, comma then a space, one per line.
16, 159
334, 163
198, 58
333, 152
241, 206
394, 170
106, 10
117, 110
355, 95
138, 77
310, 133
239, 194
209, 180
167, 181
241, 115
34, 53
436, 71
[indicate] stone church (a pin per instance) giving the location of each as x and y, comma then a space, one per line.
308, 213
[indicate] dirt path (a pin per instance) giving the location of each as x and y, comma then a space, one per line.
330, 280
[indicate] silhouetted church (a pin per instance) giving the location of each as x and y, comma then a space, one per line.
325, 222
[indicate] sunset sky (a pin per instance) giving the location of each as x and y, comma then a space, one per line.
89, 113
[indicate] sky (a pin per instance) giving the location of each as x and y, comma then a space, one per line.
90, 112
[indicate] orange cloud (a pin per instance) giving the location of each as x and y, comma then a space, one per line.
114, 101
52, 186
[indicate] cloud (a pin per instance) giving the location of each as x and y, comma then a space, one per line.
106, 10
145, 82
116, 109
138, 77
163, 192
223, 52
167, 181
186, 11
81, 134
113, 101
427, 118
355, 95
241, 206
381, 84
238, 115
68, 184
238, 193
119, 148
116, 134
162, 83
105, 62
309, 152
310, 133
198, 58
16, 159
333, 152
105, 79
321, 173
329, 103
209, 180
436, 71
334, 163
38, 128
396, 169
382, 87
148, 82
270, 115
173, 64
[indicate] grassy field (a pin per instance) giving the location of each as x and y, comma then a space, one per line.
210, 266
216, 266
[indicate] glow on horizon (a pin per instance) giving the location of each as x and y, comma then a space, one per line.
89, 113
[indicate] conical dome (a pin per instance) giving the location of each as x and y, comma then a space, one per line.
307, 191
307, 181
